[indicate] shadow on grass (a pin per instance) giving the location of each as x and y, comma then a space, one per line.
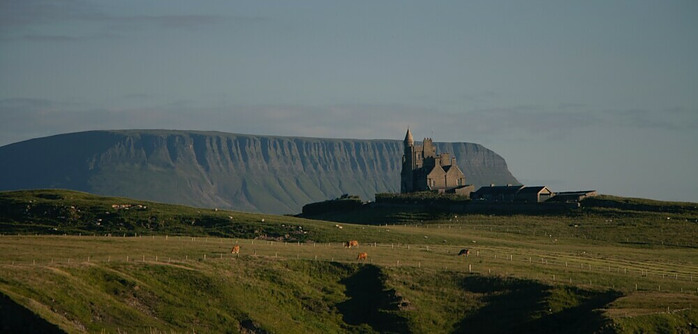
522, 306
15, 318
370, 303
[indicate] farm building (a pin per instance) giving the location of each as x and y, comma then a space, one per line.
496, 193
536, 194
572, 196
513, 193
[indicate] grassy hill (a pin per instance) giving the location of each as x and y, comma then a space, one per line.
74, 262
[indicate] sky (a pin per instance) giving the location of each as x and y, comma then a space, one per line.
574, 95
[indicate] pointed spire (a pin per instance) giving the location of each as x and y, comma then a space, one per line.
408, 138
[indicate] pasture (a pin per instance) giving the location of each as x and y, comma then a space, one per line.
660, 284
73, 262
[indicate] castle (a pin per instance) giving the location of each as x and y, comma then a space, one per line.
423, 169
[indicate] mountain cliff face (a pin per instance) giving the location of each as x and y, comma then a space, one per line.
232, 171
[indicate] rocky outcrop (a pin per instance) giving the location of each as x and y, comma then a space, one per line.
223, 170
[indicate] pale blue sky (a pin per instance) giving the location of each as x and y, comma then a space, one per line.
574, 95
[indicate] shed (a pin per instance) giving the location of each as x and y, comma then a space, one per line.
496, 193
534, 194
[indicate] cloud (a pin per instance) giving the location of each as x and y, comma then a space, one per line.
19, 104
23, 118
674, 119
172, 21
24, 20
49, 38
23, 13
37, 12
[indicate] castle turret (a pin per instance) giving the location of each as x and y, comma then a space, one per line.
408, 164
409, 141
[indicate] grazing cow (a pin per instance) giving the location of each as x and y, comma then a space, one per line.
465, 252
235, 250
362, 256
351, 243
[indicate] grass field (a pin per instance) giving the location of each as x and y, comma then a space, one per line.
610, 270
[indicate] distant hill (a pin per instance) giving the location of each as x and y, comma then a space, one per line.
232, 171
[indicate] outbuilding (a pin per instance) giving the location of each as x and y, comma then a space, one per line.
534, 194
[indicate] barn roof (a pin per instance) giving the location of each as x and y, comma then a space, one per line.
498, 190
532, 189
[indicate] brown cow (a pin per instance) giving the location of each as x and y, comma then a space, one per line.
351, 243
464, 251
362, 256
235, 250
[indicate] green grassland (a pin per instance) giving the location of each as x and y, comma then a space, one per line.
74, 263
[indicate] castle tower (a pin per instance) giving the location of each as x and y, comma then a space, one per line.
408, 164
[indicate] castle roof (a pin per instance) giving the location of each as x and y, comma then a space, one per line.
408, 137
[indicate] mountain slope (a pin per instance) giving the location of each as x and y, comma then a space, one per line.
233, 171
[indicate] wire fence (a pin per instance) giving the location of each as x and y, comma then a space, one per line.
553, 268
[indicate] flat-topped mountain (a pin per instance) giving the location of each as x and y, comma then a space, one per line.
233, 171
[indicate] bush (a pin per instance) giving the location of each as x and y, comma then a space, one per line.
343, 203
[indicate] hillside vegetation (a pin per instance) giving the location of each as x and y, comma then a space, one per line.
74, 262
